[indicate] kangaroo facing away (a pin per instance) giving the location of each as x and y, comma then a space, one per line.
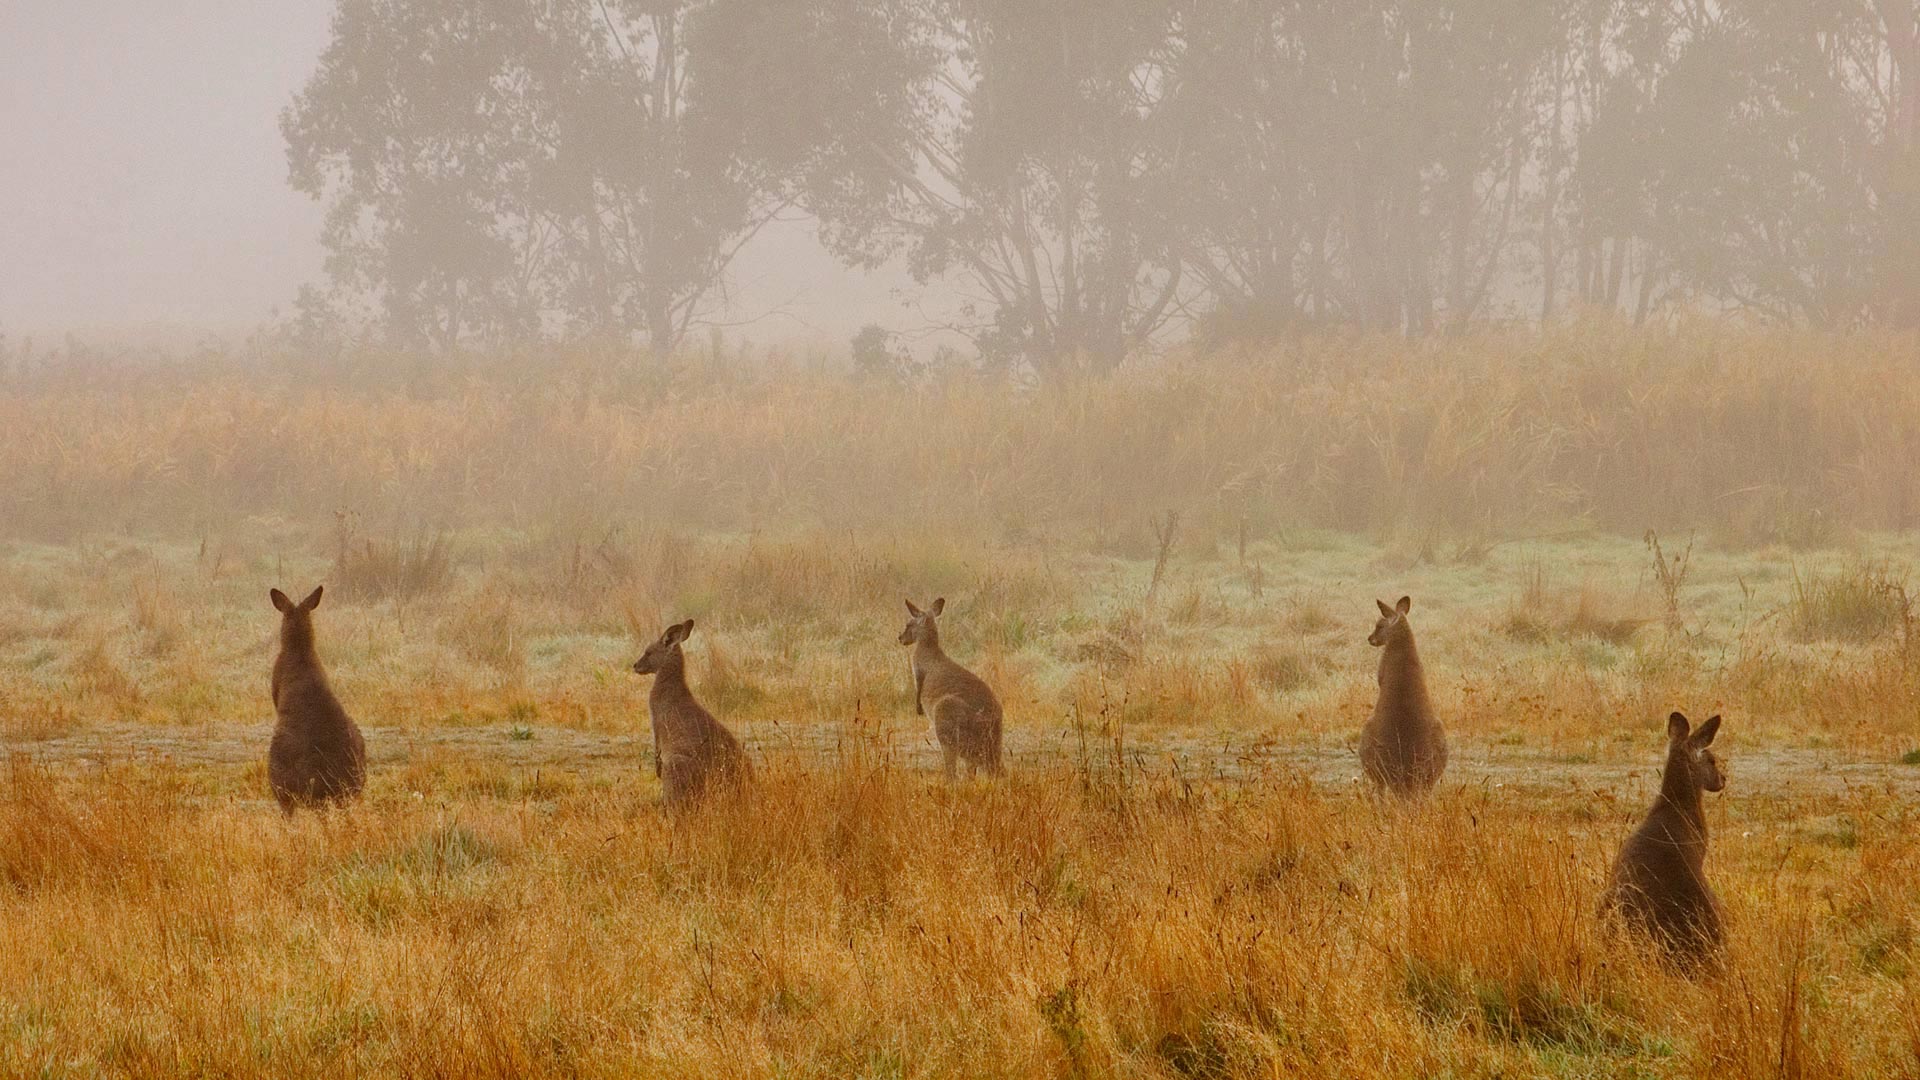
691, 750
966, 715
317, 755
1659, 884
1402, 747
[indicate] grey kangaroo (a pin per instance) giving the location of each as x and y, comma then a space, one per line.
692, 752
1659, 884
966, 715
1402, 747
317, 755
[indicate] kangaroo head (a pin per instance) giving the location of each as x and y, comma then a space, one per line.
664, 651
1688, 752
1393, 621
296, 620
920, 624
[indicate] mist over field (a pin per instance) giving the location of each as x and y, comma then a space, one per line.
917, 538
1012, 181
146, 195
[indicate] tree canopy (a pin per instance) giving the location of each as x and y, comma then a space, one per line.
1092, 177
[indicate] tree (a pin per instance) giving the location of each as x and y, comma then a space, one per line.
1259, 196
1015, 146
1756, 154
499, 170
1362, 162
1090, 173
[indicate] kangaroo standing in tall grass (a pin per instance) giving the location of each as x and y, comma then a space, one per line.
691, 750
966, 715
1659, 884
317, 755
1403, 749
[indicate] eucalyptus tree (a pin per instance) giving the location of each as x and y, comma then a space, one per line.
503, 170
1755, 155
1359, 162
1017, 150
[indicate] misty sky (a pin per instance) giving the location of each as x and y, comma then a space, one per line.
143, 187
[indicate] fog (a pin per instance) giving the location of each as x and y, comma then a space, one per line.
615, 369
1036, 181
144, 195
143, 173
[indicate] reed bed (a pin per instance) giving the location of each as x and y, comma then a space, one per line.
1767, 437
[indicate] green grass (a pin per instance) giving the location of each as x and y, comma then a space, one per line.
1859, 602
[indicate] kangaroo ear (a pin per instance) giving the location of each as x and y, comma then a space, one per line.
1704, 736
1405, 605
677, 633
1677, 727
911, 610
939, 605
280, 601
1385, 611
313, 599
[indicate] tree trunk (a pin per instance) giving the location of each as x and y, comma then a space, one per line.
1550, 201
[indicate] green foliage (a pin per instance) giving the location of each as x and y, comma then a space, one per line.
1860, 603
876, 357
1061, 1010
1527, 1011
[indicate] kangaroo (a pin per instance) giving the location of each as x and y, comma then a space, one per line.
1659, 884
966, 715
1402, 747
317, 755
691, 750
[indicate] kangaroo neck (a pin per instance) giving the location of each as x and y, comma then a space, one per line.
927, 649
670, 682
1680, 796
298, 659
296, 641
1400, 664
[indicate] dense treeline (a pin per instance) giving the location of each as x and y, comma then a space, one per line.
1094, 176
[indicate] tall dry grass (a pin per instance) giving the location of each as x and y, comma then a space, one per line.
854, 919
1764, 436
1116, 907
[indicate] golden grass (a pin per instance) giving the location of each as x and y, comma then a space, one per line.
1179, 877
854, 918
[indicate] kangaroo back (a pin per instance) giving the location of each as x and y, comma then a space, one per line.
1403, 748
317, 755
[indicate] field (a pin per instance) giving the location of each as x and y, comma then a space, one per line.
1169, 577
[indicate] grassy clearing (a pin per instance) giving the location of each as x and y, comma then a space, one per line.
1180, 878
797, 629
1169, 577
